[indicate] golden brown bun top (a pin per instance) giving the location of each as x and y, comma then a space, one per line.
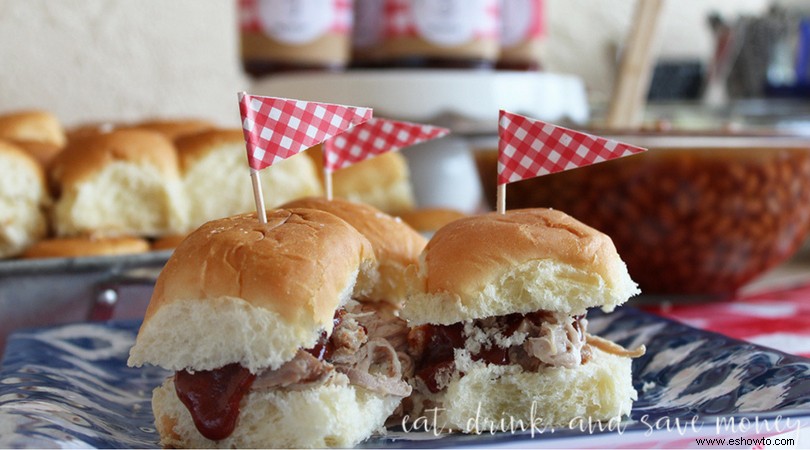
43, 152
174, 128
86, 246
9, 149
88, 129
463, 255
430, 219
193, 147
85, 157
296, 265
37, 126
392, 239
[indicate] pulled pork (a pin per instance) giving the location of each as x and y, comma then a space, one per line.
359, 348
532, 341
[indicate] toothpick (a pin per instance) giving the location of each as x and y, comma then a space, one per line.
501, 201
257, 195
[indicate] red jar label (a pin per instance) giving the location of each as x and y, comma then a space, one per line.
296, 21
443, 22
522, 20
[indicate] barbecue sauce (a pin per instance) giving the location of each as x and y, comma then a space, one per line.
442, 340
324, 348
213, 396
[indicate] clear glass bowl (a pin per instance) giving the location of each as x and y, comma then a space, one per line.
693, 215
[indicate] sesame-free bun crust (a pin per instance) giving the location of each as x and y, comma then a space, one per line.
522, 261
86, 246
326, 416
23, 200
395, 244
174, 128
212, 165
237, 290
36, 126
125, 182
428, 220
600, 389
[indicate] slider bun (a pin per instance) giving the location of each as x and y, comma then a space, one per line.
326, 416
174, 128
428, 220
600, 389
86, 246
23, 199
382, 181
395, 244
37, 126
237, 290
215, 177
522, 261
125, 182
43, 152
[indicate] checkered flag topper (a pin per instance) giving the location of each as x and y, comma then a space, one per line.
277, 128
529, 148
373, 138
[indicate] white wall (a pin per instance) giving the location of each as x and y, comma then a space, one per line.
125, 60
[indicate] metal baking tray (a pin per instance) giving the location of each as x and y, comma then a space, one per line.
41, 292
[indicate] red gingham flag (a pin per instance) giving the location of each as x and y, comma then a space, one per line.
277, 128
375, 137
529, 148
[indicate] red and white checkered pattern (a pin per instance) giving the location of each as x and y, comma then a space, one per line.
529, 148
399, 18
778, 318
249, 16
375, 137
277, 128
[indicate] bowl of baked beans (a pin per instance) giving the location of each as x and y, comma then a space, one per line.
695, 215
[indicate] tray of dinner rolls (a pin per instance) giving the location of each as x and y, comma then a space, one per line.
84, 206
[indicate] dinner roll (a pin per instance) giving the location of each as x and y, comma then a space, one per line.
86, 246
174, 128
382, 181
37, 126
216, 177
23, 199
125, 182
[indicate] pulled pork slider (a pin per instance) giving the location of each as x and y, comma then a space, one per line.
498, 309
396, 246
250, 317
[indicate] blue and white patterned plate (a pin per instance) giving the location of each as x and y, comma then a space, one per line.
69, 386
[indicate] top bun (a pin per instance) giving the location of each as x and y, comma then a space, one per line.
395, 244
239, 291
522, 261
174, 128
36, 126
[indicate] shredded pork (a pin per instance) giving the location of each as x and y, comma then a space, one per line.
362, 348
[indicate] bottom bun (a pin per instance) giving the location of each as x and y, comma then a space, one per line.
493, 396
326, 416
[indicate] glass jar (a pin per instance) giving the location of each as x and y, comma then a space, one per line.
283, 35
441, 33
522, 34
